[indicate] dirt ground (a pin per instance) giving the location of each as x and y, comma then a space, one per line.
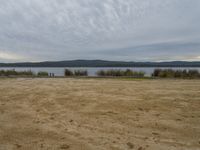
99, 114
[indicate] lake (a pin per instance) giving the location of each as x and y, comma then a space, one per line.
59, 71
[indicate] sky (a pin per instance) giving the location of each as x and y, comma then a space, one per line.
123, 30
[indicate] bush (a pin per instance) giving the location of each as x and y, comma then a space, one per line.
184, 74
76, 72
26, 73
156, 72
178, 74
80, 73
169, 73
117, 73
101, 73
68, 72
43, 74
15, 73
139, 74
193, 74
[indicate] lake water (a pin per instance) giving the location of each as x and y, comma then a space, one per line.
59, 71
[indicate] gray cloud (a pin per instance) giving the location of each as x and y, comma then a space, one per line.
91, 29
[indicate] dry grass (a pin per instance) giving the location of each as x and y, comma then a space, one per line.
92, 114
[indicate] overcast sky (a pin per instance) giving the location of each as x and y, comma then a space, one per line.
130, 30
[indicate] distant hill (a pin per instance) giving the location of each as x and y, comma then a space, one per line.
101, 63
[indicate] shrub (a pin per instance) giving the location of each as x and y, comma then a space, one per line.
184, 74
178, 74
101, 73
117, 73
128, 72
80, 72
139, 74
76, 72
43, 74
156, 72
68, 72
15, 73
193, 74
169, 73
26, 73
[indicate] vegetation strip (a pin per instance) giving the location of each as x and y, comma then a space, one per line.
158, 73
170, 73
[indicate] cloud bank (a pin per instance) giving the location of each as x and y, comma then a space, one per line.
133, 30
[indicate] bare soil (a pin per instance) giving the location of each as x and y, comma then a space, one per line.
99, 114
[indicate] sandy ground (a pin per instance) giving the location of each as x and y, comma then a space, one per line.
99, 114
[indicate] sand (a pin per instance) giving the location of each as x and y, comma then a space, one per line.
99, 114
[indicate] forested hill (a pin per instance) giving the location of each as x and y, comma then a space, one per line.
101, 63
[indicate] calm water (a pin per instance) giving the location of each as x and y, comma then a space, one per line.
91, 70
